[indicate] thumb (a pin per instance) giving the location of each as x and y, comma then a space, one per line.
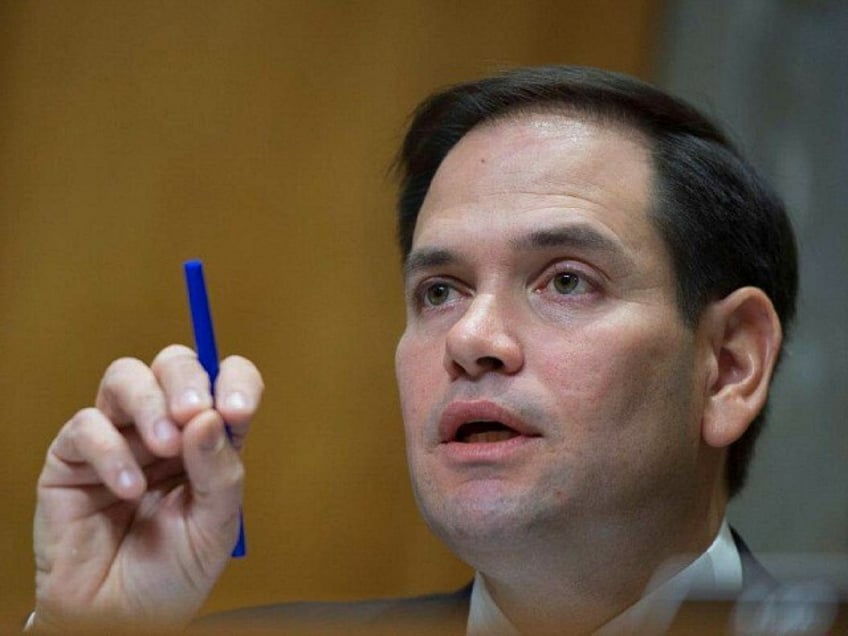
216, 474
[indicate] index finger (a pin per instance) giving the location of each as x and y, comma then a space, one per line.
130, 394
238, 391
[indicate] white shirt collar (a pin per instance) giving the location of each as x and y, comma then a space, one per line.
715, 573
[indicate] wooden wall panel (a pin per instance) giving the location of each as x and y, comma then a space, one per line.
257, 136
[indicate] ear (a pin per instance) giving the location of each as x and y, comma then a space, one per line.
744, 336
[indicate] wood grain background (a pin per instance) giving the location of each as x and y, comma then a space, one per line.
257, 136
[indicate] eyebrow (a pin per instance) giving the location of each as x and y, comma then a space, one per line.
578, 236
425, 258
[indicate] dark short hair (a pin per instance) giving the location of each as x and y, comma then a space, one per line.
724, 226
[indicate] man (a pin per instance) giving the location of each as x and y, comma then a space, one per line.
597, 288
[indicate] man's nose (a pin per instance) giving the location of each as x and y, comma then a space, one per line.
481, 341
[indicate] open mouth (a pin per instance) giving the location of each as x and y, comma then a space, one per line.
483, 432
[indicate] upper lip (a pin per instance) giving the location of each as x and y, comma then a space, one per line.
461, 412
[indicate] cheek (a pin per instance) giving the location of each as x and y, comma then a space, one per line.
625, 401
618, 377
417, 368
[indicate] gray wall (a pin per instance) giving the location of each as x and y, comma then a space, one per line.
775, 73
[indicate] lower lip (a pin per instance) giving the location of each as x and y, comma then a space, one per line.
487, 452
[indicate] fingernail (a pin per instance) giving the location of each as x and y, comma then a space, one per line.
190, 398
164, 431
127, 479
236, 401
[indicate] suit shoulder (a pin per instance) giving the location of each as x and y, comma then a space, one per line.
447, 613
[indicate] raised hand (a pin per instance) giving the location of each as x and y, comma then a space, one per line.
138, 500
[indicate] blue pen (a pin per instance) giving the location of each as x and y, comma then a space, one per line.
207, 352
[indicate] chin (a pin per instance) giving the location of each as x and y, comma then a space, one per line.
476, 522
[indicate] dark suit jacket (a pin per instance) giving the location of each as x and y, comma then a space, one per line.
442, 614
433, 614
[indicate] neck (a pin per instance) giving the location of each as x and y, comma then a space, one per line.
597, 574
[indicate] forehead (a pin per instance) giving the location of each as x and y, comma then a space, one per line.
529, 170
558, 145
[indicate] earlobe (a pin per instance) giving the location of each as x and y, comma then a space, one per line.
745, 335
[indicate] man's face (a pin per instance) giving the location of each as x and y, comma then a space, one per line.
547, 381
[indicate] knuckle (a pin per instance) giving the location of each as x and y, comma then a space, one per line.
120, 372
233, 475
99, 448
170, 353
247, 370
80, 421
236, 359
81, 432
149, 405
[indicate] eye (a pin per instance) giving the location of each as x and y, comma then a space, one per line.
569, 283
436, 294
566, 282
